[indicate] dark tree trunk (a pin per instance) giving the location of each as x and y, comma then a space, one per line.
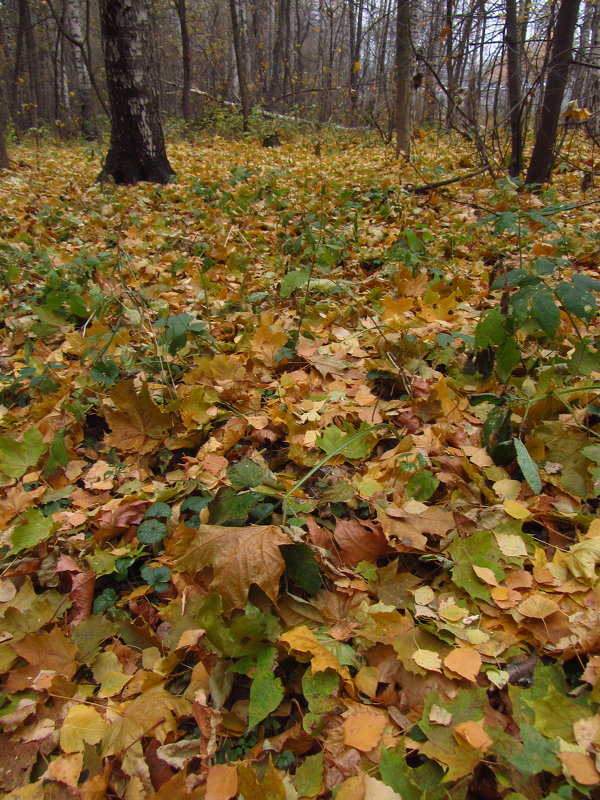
513, 70
137, 148
542, 157
186, 64
403, 78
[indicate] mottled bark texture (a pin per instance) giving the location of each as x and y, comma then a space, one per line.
137, 147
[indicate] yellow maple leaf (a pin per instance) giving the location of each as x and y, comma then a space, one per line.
82, 725
302, 640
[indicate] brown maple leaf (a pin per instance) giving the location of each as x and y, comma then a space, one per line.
137, 424
45, 652
238, 557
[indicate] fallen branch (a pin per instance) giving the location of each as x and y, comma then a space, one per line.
427, 187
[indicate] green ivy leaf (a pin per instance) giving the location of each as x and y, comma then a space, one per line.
157, 577
158, 511
528, 467
151, 531
17, 457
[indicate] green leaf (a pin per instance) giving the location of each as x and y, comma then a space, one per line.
17, 457
396, 774
293, 280
528, 467
35, 529
546, 311
157, 577
301, 566
78, 306
491, 330
266, 692
514, 277
577, 300
229, 507
586, 282
538, 753
332, 440
309, 776
151, 531
58, 456
105, 371
158, 511
245, 474
506, 221
422, 485
592, 452
507, 358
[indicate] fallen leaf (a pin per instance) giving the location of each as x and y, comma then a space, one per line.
464, 662
137, 423
363, 728
238, 557
82, 725
474, 735
581, 767
428, 659
221, 782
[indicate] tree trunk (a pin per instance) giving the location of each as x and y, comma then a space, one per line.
186, 65
4, 162
240, 61
403, 78
137, 148
543, 155
513, 80
87, 120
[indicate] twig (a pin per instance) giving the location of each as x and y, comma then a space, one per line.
426, 187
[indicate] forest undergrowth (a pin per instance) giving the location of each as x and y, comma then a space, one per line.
299, 473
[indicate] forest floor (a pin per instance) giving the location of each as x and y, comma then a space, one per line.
299, 477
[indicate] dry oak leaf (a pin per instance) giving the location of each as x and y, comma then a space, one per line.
302, 640
238, 557
363, 728
137, 424
154, 712
45, 652
464, 662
